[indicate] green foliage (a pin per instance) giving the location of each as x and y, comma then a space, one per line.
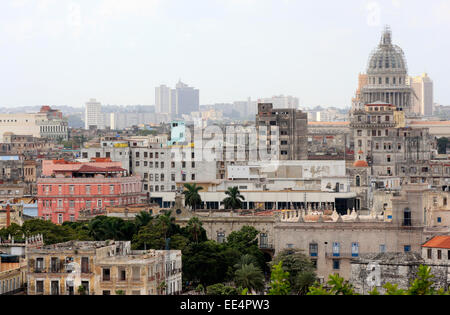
207, 262
303, 281
246, 260
245, 292
200, 288
234, 199
250, 277
336, 286
300, 268
422, 285
393, 289
156, 232
195, 230
191, 195
104, 228
51, 232
81, 290
245, 241
279, 284
120, 292
222, 289
142, 219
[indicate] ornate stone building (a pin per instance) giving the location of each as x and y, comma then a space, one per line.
378, 119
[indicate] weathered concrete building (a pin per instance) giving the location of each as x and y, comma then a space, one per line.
12, 274
375, 270
292, 126
102, 268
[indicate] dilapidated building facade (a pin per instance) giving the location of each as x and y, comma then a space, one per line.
102, 268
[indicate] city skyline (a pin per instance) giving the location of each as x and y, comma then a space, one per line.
117, 51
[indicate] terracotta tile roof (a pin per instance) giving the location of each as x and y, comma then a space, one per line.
438, 242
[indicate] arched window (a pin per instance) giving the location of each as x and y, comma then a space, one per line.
358, 181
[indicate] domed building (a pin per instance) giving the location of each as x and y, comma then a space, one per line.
387, 76
382, 140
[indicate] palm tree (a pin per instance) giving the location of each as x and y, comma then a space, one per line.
246, 259
191, 195
142, 219
234, 199
250, 277
194, 227
167, 222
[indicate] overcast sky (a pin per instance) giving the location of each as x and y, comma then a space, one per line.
66, 51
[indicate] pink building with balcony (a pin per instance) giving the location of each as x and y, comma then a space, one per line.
85, 187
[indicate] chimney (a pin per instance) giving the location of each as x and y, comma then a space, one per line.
8, 216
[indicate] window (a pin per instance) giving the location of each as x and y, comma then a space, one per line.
88, 190
313, 249
106, 292
407, 248
220, 237
39, 265
336, 249
39, 287
407, 217
439, 254
111, 189
172, 177
71, 189
54, 288
358, 181
336, 264
263, 240
99, 203
106, 274
439, 220
382, 248
136, 273
54, 264
122, 274
355, 249
60, 218
71, 204
429, 253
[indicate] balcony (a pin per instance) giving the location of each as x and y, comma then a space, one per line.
347, 255
266, 246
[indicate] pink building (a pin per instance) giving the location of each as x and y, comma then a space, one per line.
85, 186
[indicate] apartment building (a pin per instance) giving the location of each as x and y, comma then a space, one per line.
74, 187
102, 268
